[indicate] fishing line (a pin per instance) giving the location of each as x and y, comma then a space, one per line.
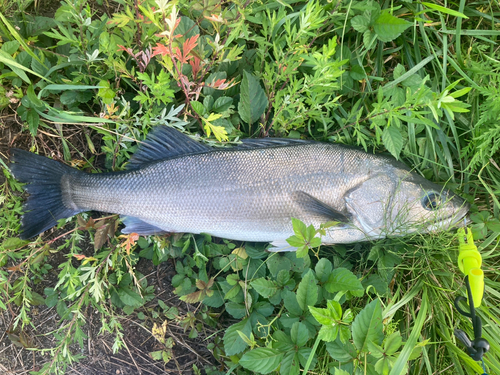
469, 262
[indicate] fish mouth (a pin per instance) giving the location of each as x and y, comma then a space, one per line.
457, 220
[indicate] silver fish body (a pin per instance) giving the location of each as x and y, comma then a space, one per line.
250, 193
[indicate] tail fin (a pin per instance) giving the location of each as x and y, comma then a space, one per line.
45, 204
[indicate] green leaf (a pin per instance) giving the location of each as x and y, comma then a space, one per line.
253, 100
236, 310
367, 326
444, 10
233, 344
329, 333
266, 288
323, 316
392, 343
261, 360
323, 269
33, 120
341, 280
360, 23
393, 140
199, 108
387, 27
342, 352
33, 98
13, 243
130, 298
307, 293
219, 131
339, 371
222, 104
299, 228
68, 97
290, 302
299, 334
290, 364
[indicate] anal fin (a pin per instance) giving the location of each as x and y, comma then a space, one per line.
136, 225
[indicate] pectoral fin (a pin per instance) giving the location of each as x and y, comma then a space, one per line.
316, 207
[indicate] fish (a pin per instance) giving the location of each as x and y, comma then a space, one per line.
249, 192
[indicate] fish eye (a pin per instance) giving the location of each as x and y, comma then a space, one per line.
431, 201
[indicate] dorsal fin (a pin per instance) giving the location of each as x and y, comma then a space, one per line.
253, 143
164, 142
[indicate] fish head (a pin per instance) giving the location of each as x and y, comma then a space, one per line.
402, 202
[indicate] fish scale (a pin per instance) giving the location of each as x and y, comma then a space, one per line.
248, 193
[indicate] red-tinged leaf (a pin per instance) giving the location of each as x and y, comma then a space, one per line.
192, 297
14, 268
130, 240
221, 84
195, 65
161, 49
79, 256
188, 46
215, 18
106, 229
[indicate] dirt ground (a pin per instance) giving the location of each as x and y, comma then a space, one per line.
15, 355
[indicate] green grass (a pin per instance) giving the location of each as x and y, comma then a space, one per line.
418, 80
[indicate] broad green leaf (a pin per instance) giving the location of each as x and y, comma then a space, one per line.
261, 360
341, 280
299, 228
323, 316
387, 27
13, 243
329, 333
290, 364
283, 277
392, 343
222, 104
266, 288
276, 263
323, 269
236, 310
253, 100
130, 298
199, 108
307, 293
290, 302
360, 23
341, 352
299, 334
335, 309
367, 326
393, 140
233, 344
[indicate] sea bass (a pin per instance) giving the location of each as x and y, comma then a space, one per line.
249, 192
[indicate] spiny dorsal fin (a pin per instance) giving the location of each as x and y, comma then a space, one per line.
315, 206
164, 142
254, 143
